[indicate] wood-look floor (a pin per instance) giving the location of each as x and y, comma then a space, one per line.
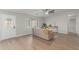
60, 42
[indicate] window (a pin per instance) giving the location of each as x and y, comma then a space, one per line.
32, 23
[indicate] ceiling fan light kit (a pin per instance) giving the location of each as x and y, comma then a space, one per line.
48, 11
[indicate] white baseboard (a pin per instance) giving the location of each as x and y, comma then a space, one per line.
13, 36
21, 35
4, 38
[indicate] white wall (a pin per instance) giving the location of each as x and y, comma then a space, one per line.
20, 25
62, 19
20, 22
59, 20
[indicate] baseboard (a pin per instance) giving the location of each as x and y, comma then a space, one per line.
4, 38
20, 35
14, 36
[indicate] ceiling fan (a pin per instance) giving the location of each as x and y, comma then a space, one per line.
48, 11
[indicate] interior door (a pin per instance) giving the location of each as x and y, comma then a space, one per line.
72, 24
9, 26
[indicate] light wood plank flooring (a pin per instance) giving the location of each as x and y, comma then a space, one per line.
60, 42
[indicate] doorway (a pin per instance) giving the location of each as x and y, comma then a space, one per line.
72, 25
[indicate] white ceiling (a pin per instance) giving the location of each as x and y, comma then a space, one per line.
36, 12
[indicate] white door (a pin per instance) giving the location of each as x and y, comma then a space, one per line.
72, 24
9, 26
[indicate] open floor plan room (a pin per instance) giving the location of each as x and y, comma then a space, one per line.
39, 29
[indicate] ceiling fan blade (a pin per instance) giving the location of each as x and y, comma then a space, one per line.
48, 11
52, 11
